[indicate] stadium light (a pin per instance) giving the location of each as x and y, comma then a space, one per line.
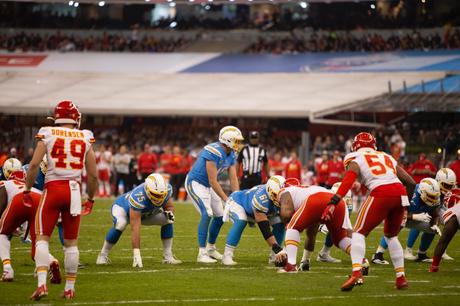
76, 4
172, 4
173, 24
373, 6
303, 5
170, 0
210, 0
423, 1
70, 3
101, 3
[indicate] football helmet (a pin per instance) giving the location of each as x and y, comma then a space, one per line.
156, 188
274, 185
364, 140
347, 198
66, 112
446, 179
231, 137
429, 191
18, 175
11, 165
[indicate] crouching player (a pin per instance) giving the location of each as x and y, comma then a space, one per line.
451, 220
14, 213
301, 208
256, 205
148, 204
423, 213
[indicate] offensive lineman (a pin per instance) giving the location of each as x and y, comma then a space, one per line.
68, 150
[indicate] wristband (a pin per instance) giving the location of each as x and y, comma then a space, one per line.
276, 248
264, 227
334, 200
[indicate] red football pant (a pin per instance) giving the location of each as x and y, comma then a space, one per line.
17, 213
309, 214
56, 200
375, 210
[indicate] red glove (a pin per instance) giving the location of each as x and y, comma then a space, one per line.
328, 212
87, 207
27, 198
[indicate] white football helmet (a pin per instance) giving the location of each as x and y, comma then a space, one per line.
429, 191
231, 137
273, 187
11, 165
347, 198
156, 188
446, 179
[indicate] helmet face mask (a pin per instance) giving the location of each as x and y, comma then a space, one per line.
273, 188
446, 179
156, 189
18, 175
429, 191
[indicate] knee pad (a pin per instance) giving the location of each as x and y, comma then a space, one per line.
120, 224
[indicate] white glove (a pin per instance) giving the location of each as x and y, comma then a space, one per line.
437, 230
170, 216
137, 259
423, 217
323, 229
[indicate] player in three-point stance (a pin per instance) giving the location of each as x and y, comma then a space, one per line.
149, 203
387, 200
67, 150
206, 192
256, 205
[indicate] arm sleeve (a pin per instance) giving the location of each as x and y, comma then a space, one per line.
347, 182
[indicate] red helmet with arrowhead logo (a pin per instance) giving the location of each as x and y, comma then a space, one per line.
364, 140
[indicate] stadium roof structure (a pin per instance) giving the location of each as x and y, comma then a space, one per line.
191, 2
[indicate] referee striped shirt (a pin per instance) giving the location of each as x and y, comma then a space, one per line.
253, 159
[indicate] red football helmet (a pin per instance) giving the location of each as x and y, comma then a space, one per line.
364, 140
66, 112
18, 175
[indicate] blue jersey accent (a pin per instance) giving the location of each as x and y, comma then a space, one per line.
417, 206
40, 180
212, 152
256, 199
138, 200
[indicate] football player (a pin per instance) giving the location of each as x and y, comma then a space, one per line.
301, 209
11, 165
206, 192
68, 150
450, 218
423, 215
256, 205
387, 199
149, 203
13, 213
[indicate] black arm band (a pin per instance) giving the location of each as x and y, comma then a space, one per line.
276, 248
264, 227
335, 199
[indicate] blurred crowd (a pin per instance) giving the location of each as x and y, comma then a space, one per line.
104, 43
334, 42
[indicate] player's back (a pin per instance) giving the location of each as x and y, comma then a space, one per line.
300, 194
245, 198
66, 150
377, 169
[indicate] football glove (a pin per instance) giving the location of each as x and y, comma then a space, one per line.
137, 259
280, 255
423, 217
437, 230
27, 198
87, 207
169, 216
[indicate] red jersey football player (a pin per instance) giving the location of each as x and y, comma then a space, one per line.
14, 213
387, 199
68, 150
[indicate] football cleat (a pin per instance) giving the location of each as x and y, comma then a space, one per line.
8, 276
305, 265
82, 265
356, 279
55, 273
408, 254
204, 258
102, 259
446, 257
421, 257
39, 293
401, 283
288, 268
171, 260
228, 261
212, 252
325, 257
365, 267
68, 294
433, 269
378, 259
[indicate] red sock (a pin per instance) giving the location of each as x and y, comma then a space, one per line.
436, 261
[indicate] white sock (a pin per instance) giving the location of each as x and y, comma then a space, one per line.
228, 252
52, 258
325, 249
380, 249
106, 248
202, 251
107, 188
101, 189
210, 246
306, 255
71, 257
397, 255
345, 245
292, 242
167, 247
42, 257
358, 250
5, 255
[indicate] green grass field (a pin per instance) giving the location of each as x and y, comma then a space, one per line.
252, 281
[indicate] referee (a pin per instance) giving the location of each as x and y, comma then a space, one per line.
253, 157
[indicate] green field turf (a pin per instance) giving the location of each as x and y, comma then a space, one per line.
252, 281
